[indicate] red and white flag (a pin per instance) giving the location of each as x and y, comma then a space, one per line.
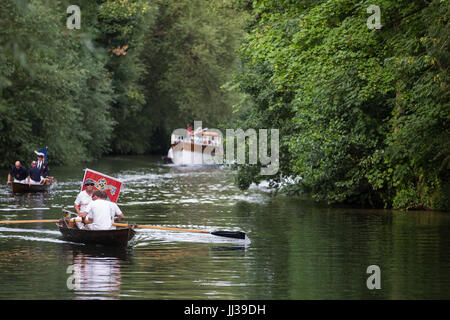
103, 182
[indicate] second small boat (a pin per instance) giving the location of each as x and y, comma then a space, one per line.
18, 187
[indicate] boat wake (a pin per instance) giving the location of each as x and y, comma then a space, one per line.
29, 238
145, 237
22, 209
55, 232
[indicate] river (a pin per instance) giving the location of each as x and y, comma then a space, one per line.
295, 248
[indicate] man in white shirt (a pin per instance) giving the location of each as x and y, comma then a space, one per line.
84, 197
116, 213
100, 213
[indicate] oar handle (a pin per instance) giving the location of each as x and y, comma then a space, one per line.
28, 221
35, 221
160, 228
228, 234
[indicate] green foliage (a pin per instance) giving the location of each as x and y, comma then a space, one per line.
363, 114
52, 85
122, 28
190, 54
135, 71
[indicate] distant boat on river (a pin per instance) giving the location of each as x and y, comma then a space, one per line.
199, 148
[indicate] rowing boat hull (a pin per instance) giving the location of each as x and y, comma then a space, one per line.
116, 238
25, 188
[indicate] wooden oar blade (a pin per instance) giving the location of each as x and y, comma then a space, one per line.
229, 234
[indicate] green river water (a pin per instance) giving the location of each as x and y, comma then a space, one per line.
296, 249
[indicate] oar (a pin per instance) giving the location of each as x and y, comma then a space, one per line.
28, 221
34, 221
228, 234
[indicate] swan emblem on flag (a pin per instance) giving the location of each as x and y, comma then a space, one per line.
102, 184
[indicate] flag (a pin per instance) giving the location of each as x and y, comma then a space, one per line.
42, 152
103, 183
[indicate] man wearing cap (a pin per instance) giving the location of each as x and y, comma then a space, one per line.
83, 199
41, 164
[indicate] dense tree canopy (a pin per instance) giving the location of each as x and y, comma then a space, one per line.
135, 71
53, 89
190, 55
363, 113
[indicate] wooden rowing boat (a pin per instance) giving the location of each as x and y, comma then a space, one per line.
115, 237
18, 187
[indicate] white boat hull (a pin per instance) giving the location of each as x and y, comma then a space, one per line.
182, 155
201, 147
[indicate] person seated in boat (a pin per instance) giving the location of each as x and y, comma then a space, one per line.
34, 174
98, 214
18, 172
83, 199
116, 213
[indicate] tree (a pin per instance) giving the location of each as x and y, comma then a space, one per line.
351, 101
52, 83
190, 55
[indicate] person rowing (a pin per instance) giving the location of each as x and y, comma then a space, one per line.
116, 213
100, 213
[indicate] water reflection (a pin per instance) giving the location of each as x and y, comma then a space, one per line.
97, 270
37, 199
298, 249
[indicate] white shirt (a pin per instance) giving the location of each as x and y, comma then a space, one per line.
99, 211
115, 210
82, 200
